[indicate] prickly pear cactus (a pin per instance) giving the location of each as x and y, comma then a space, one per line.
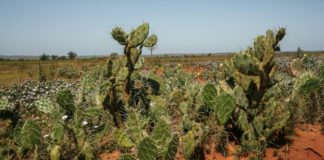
118, 78
192, 140
45, 105
136, 124
248, 95
133, 43
55, 152
150, 41
171, 148
147, 150
306, 98
65, 100
122, 139
57, 134
29, 135
222, 104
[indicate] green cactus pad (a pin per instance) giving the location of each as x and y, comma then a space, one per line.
306, 83
122, 139
136, 124
161, 135
29, 136
246, 64
210, 96
259, 48
240, 97
150, 41
119, 35
87, 151
140, 62
189, 144
273, 92
134, 53
147, 150
122, 74
65, 100
57, 134
171, 149
138, 35
161, 132
55, 152
225, 105
280, 34
183, 107
45, 105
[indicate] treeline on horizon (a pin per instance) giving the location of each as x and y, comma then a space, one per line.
72, 55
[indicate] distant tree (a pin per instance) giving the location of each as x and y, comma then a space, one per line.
54, 57
72, 55
44, 57
62, 57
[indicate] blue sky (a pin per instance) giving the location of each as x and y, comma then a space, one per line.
33, 27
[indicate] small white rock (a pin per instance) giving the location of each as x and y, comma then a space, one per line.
64, 117
287, 99
84, 123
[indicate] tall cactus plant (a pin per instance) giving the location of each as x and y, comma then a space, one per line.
258, 111
133, 43
121, 69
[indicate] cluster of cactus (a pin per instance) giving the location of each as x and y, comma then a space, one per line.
306, 99
303, 63
248, 97
297, 65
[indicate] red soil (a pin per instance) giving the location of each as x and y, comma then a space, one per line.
110, 156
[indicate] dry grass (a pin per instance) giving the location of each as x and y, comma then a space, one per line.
12, 72
15, 71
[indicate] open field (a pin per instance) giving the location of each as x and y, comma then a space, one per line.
255, 104
15, 71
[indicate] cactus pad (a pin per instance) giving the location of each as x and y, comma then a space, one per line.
147, 150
